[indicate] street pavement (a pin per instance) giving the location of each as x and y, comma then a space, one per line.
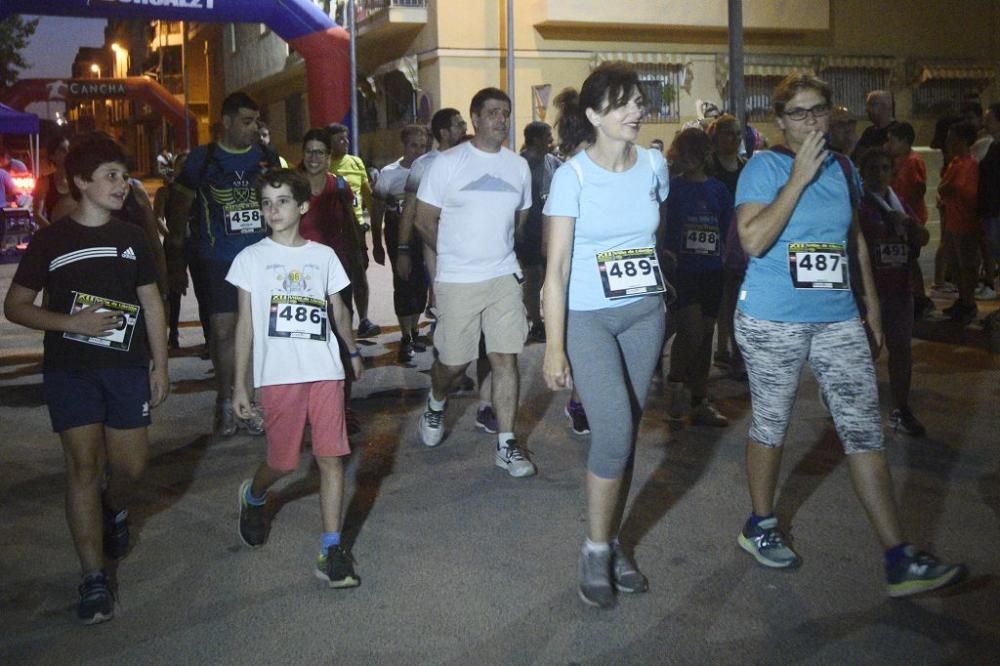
462, 564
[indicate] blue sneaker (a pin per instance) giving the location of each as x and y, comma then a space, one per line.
767, 544
921, 572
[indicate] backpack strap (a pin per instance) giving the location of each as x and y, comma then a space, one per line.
845, 166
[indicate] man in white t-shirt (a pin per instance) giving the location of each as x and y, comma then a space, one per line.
409, 293
468, 205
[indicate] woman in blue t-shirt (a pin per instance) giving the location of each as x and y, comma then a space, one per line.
698, 212
603, 309
795, 213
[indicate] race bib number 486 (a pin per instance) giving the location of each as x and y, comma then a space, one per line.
818, 265
634, 272
297, 317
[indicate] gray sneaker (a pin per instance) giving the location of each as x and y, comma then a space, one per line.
595, 579
431, 426
514, 459
255, 424
767, 544
626, 576
225, 418
705, 413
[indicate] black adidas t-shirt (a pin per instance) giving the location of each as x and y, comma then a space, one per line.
79, 266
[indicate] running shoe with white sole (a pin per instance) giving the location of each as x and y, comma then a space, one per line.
766, 543
431, 426
486, 420
624, 574
97, 603
921, 572
336, 567
514, 459
595, 578
577, 418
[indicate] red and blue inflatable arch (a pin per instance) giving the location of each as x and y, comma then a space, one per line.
323, 44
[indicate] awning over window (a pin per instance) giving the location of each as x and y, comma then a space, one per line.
407, 66
764, 64
954, 71
650, 58
857, 62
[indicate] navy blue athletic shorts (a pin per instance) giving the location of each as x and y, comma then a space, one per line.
116, 397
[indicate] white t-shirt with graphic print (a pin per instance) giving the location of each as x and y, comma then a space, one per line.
293, 337
479, 195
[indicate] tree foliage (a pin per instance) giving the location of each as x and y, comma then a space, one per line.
15, 33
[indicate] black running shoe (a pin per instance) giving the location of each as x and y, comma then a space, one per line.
97, 603
336, 567
252, 527
116, 532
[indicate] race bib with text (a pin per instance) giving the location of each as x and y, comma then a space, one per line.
634, 272
243, 219
818, 265
297, 317
120, 339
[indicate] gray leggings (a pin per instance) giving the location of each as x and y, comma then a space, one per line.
613, 353
840, 359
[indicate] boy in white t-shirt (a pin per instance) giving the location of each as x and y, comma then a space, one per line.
286, 284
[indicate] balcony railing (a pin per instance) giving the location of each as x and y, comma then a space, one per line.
365, 8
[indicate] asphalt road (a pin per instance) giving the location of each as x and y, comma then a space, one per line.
462, 564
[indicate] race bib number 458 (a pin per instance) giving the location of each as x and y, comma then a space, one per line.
297, 317
240, 220
634, 272
818, 266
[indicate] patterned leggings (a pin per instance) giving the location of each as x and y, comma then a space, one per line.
837, 353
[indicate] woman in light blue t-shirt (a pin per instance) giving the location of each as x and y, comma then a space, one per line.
796, 221
604, 313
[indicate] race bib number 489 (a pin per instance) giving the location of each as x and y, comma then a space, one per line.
297, 317
818, 266
634, 272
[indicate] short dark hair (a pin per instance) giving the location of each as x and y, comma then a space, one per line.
236, 101
276, 178
336, 128
903, 131
795, 83
536, 130
318, 134
690, 149
88, 152
411, 130
965, 131
442, 121
872, 154
480, 98
941, 130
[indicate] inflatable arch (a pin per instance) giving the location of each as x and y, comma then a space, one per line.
323, 45
26, 91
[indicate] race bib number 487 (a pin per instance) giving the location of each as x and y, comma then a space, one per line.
634, 272
818, 266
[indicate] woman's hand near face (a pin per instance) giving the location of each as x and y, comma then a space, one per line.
809, 159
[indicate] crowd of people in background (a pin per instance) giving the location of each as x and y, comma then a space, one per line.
634, 266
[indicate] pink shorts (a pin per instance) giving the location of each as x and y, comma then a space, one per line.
286, 409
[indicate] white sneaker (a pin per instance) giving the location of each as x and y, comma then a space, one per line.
706, 414
985, 293
677, 398
514, 459
431, 426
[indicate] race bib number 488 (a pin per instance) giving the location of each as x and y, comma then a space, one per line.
818, 266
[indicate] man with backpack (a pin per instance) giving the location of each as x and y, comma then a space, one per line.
218, 181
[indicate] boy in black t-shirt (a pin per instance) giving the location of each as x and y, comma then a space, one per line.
103, 321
